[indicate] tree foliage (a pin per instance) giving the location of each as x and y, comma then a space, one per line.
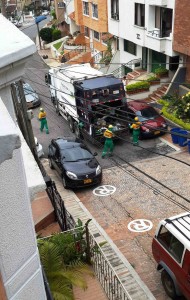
46, 34
56, 34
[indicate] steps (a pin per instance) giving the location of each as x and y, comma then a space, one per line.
156, 95
135, 74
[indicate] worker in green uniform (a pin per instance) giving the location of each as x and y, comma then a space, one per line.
136, 131
108, 145
43, 120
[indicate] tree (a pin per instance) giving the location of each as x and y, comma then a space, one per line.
56, 34
61, 259
46, 34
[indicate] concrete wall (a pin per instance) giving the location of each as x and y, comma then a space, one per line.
19, 259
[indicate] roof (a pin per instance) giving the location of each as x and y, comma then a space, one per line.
14, 44
179, 226
72, 16
99, 82
77, 72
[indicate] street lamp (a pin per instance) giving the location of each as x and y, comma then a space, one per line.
37, 21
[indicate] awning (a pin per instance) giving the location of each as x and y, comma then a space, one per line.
106, 36
72, 16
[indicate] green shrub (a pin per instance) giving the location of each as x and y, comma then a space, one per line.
53, 14
138, 86
153, 78
185, 125
161, 71
46, 34
56, 34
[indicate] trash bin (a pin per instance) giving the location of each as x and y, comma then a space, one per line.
182, 140
188, 145
175, 137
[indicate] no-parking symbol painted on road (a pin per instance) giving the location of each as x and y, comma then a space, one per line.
104, 190
140, 225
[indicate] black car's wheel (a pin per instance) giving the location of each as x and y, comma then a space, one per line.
71, 125
50, 163
64, 183
168, 284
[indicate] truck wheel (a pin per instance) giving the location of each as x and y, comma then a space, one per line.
168, 285
71, 125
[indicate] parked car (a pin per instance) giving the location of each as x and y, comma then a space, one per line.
32, 98
74, 162
152, 123
171, 251
45, 13
39, 148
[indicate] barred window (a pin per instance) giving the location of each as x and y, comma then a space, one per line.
85, 8
96, 35
95, 11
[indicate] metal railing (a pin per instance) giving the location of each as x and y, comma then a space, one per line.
120, 71
90, 251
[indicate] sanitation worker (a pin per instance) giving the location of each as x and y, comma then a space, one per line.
108, 145
43, 121
136, 131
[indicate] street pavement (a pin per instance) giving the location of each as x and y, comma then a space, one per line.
136, 196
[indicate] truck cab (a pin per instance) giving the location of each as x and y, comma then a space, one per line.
171, 250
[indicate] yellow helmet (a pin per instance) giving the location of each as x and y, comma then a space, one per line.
41, 109
110, 126
136, 118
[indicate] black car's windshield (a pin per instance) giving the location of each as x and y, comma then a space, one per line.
148, 113
75, 154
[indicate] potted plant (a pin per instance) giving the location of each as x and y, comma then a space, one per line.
161, 72
138, 87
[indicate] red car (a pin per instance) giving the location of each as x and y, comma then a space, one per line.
152, 123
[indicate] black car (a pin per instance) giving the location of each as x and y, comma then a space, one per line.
74, 162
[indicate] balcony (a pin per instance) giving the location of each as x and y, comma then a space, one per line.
159, 41
158, 2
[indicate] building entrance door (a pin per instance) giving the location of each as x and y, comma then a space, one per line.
158, 60
144, 58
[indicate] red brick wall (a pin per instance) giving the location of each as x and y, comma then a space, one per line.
181, 41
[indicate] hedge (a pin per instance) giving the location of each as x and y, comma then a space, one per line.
143, 85
174, 119
160, 71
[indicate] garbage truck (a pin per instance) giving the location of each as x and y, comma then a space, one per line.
85, 96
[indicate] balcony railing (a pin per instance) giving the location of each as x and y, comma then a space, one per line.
115, 16
157, 33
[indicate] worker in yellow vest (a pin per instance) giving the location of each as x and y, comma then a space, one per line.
108, 145
43, 120
136, 131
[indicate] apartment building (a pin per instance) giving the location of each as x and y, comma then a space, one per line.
90, 18
181, 42
144, 30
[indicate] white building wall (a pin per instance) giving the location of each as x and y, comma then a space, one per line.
124, 28
19, 259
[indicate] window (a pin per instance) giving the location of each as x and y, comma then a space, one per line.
61, 4
171, 243
139, 14
85, 8
86, 31
115, 9
96, 35
130, 47
163, 20
95, 11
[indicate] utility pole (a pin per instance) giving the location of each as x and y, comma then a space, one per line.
24, 120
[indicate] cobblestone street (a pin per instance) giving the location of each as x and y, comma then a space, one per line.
138, 197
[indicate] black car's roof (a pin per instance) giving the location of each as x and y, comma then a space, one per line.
66, 144
98, 82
